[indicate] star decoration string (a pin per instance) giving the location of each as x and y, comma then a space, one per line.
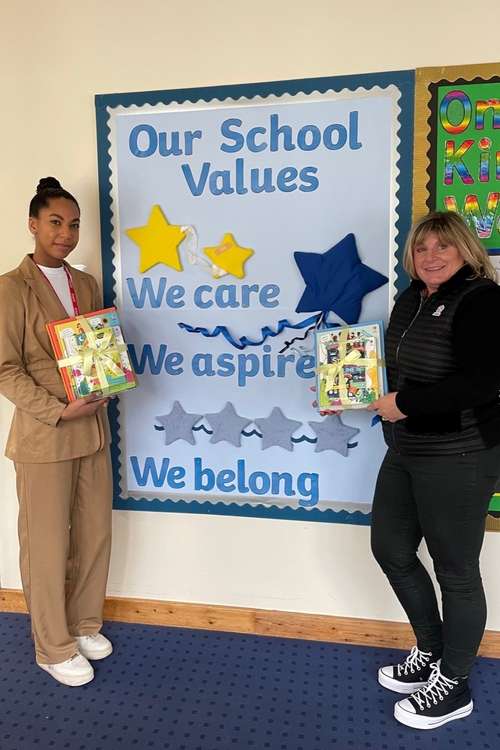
276, 430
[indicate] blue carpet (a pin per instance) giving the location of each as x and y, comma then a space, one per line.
177, 689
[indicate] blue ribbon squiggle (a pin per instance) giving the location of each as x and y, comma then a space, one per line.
244, 341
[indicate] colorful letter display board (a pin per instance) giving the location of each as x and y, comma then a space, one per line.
457, 157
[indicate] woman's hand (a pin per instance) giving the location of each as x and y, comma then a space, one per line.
83, 407
386, 407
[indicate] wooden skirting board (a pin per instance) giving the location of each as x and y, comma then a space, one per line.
257, 622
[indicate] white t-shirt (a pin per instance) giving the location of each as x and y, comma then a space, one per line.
59, 282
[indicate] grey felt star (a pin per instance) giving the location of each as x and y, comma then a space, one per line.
277, 429
227, 425
333, 434
179, 424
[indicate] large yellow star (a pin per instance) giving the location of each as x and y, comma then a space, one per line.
229, 256
158, 241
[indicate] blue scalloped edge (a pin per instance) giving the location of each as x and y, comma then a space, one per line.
404, 192
248, 511
404, 80
249, 90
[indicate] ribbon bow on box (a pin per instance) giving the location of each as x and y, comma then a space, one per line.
98, 348
332, 373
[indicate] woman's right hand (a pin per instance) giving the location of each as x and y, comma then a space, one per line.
83, 407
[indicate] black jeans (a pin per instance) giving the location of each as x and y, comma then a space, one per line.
443, 499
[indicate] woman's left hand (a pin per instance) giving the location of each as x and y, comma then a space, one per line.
386, 407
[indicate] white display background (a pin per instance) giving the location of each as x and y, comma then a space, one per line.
356, 192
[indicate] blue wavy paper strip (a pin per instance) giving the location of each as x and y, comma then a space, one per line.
251, 433
244, 341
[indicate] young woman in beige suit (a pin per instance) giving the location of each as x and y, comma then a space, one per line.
60, 450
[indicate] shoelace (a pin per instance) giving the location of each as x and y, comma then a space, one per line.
71, 658
415, 661
435, 690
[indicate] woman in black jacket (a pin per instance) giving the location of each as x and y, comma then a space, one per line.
441, 422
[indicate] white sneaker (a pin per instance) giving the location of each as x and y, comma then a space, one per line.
95, 646
73, 672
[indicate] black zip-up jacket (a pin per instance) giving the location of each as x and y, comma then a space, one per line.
443, 359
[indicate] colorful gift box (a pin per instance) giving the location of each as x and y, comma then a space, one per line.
350, 366
91, 354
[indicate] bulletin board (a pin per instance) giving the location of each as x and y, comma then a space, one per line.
224, 212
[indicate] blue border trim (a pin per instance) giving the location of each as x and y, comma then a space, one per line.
221, 509
405, 180
404, 80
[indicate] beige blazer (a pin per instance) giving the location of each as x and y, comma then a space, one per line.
28, 371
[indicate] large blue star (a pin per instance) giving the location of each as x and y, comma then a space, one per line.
336, 280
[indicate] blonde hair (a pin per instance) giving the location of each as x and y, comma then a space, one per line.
451, 229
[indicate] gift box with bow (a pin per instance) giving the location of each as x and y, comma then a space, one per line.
350, 366
91, 354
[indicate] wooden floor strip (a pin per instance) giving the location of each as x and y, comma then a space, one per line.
257, 622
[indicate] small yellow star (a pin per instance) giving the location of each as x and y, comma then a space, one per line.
158, 241
229, 256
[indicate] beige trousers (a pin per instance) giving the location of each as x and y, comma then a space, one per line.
65, 541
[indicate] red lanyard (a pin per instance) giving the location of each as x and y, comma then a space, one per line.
74, 301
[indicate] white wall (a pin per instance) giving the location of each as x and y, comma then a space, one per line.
53, 58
